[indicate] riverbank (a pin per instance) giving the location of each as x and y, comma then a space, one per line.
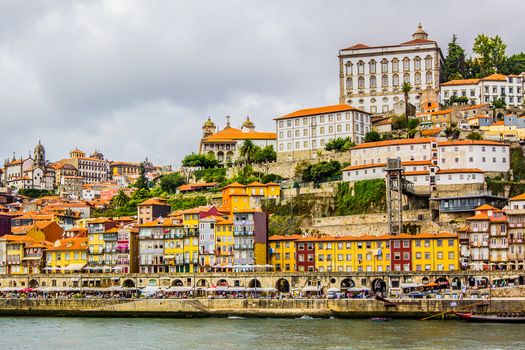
261, 308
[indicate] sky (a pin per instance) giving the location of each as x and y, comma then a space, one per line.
137, 79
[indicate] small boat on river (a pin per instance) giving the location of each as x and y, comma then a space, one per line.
499, 318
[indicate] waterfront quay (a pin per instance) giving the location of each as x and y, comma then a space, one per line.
262, 294
282, 282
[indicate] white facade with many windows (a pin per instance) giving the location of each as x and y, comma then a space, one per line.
301, 133
371, 76
510, 88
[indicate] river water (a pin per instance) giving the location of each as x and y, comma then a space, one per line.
216, 333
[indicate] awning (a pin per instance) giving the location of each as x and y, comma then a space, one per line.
32, 258
359, 289
410, 285
178, 289
312, 289
333, 290
74, 267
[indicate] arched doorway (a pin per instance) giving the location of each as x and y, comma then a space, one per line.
379, 286
254, 283
282, 285
220, 156
425, 280
456, 283
222, 283
128, 284
33, 283
347, 283
177, 283
203, 283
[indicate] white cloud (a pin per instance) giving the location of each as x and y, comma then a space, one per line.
138, 78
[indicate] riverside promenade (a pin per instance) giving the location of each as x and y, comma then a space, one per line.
273, 308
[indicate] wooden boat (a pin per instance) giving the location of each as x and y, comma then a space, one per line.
490, 318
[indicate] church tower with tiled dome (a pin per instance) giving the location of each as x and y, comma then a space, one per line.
208, 128
40, 155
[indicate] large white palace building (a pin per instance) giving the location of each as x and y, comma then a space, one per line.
371, 76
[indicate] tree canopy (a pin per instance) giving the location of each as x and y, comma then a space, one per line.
142, 181
454, 65
372, 136
491, 53
170, 182
339, 144
322, 171
200, 160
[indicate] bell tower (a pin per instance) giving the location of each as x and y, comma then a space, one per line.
40, 155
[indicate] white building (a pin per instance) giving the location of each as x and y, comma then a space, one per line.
489, 156
371, 76
508, 87
429, 162
303, 132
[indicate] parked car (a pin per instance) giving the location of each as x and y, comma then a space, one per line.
417, 295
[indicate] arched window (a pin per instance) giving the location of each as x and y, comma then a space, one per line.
417, 78
349, 85
384, 81
361, 82
406, 78
428, 78
372, 66
417, 63
395, 80
373, 83
406, 64
428, 62
395, 65
384, 65
360, 67
348, 68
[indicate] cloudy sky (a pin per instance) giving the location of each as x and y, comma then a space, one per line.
137, 79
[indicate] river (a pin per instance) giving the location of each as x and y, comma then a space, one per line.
215, 333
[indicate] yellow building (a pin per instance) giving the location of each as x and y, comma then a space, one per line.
435, 252
14, 252
67, 255
224, 242
404, 252
282, 252
236, 197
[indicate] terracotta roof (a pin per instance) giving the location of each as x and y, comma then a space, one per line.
165, 222
459, 170
486, 207
191, 187
256, 184
357, 47
519, 197
74, 243
474, 106
460, 82
431, 132
495, 77
479, 116
394, 143
155, 201
418, 41
379, 237
408, 163
17, 238
419, 172
501, 122
284, 238
469, 142
233, 134
234, 184
320, 110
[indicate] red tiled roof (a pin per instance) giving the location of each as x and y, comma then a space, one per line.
320, 110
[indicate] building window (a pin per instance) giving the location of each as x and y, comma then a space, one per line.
384, 81
361, 82
417, 78
384, 66
395, 65
395, 80
428, 62
360, 67
372, 82
406, 64
372, 67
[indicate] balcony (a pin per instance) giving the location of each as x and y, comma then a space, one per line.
515, 240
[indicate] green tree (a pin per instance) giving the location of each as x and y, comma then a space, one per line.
405, 88
321, 171
498, 103
413, 123
514, 64
204, 161
120, 200
399, 122
170, 182
265, 154
491, 53
339, 144
454, 65
142, 181
474, 136
372, 136
248, 150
